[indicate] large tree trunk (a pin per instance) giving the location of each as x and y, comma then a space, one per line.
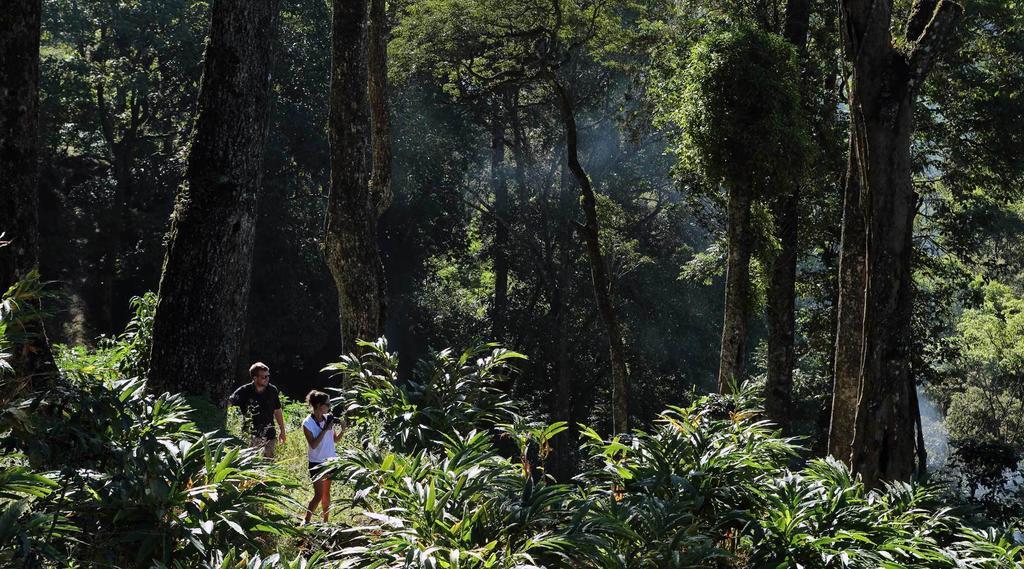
781, 301
884, 83
737, 291
19, 174
19, 139
849, 317
499, 253
590, 230
353, 254
380, 110
204, 287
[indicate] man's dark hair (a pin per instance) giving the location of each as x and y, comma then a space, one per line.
256, 368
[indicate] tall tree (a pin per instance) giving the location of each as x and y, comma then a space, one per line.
205, 283
590, 229
19, 139
873, 359
781, 295
19, 172
738, 106
353, 254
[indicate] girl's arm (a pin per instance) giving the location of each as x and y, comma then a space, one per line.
339, 433
313, 442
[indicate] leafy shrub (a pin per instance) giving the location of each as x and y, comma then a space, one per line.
447, 394
140, 480
677, 494
460, 505
27, 529
709, 486
128, 469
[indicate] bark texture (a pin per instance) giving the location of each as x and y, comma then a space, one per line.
19, 177
737, 291
849, 318
380, 109
204, 287
590, 230
781, 294
885, 80
353, 254
19, 139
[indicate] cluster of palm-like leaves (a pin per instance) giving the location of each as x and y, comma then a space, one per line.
136, 476
708, 486
461, 505
824, 517
28, 526
679, 495
447, 393
98, 470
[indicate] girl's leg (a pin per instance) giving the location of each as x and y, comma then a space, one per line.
317, 485
325, 497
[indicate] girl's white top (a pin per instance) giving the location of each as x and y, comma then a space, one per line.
326, 448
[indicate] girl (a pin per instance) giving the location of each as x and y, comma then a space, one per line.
321, 433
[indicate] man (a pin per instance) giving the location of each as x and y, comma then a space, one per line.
260, 404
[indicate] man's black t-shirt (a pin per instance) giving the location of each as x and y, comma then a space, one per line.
258, 408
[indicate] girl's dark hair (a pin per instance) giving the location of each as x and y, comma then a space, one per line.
317, 398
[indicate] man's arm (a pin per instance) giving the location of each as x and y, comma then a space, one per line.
236, 397
279, 417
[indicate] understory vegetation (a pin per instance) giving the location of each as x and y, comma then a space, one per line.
440, 469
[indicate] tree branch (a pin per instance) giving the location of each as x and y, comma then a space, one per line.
925, 51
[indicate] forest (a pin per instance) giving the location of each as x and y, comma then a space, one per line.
512, 284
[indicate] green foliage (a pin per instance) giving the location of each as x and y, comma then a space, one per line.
708, 487
460, 506
233, 559
28, 531
125, 355
989, 404
140, 480
672, 495
477, 46
447, 395
128, 469
738, 109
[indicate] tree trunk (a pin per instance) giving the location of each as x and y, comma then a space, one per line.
499, 188
19, 172
849, 317
590, 230
380, 117
737, 292
19, 139
884, 83
781, 312
565, 406
781, 301
204, 287
520, 150
353, 254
